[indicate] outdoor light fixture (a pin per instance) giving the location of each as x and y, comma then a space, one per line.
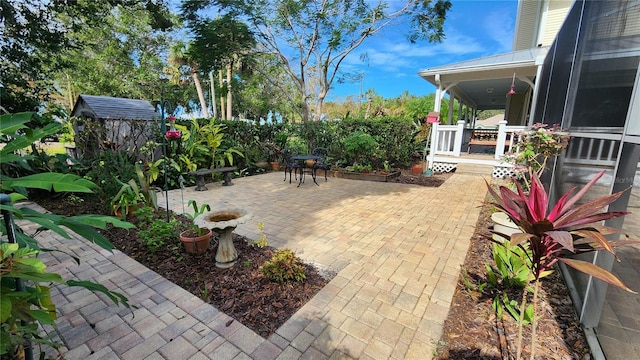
489, 90
512, 91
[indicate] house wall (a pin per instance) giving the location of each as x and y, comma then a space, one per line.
556, 13
528, 18
538, 22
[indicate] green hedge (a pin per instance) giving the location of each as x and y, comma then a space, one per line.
394, 137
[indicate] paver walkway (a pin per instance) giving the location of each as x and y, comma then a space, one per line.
396, 248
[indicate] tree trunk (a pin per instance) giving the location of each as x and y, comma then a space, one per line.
223, 111
229, 96
318, 114
203, 103
214, 107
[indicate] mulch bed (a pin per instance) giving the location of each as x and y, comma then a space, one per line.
241, 291
472, 330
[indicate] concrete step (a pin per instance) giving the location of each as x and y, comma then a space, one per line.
474, 169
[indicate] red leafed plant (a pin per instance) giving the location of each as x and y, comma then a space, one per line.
554, 234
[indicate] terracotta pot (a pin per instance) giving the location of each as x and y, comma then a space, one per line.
275, 165
417, 169
196, 245
117, 211
310, 163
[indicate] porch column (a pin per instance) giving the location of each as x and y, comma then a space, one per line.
450, 113
501, 140
439, 94
457, 142
534, 102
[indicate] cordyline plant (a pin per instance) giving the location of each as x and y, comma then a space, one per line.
552, 235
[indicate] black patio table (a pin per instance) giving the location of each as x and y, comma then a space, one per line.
302, 159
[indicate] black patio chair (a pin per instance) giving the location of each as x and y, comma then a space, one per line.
321, 163
290, 165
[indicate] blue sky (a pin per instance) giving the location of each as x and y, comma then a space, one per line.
474, 28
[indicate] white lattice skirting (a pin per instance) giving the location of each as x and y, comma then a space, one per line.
502, 172
444, 167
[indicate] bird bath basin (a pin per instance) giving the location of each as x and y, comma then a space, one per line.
224, 221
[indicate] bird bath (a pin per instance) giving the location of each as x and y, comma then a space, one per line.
224, 222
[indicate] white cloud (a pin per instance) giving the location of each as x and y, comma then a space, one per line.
499, 26
395, 55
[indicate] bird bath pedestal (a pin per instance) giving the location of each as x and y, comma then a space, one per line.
224, 222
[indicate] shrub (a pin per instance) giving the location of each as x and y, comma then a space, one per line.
284, 266
358, 145
159, 233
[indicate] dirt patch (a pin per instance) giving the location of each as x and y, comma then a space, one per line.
434, 180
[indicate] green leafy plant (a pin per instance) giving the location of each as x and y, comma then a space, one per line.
262, 240
158, 233
534, 148
386, 166
512, 265
502, 301
101, 171
147, 191
203, 144
127, 199
144, 214
284, 266
205, 207
31, 301
297, 145
553, 235
511, 269
358, 145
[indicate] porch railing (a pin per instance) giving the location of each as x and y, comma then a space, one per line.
600, 149
585, 148
449, 139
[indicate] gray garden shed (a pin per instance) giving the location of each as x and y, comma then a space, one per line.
104, 122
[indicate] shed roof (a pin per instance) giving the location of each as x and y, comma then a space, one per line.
106, 107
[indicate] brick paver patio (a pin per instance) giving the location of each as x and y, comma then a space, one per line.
396, 248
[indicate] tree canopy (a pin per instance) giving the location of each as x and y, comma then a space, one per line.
311, 38
36, 35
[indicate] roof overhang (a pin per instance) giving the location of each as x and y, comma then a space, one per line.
484, 82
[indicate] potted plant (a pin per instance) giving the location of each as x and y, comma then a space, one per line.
127, 199
417, 169
534, 148
274, 149
196, 240
386, 168
273, 152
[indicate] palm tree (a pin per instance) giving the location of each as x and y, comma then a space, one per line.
221, 44
180, 57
